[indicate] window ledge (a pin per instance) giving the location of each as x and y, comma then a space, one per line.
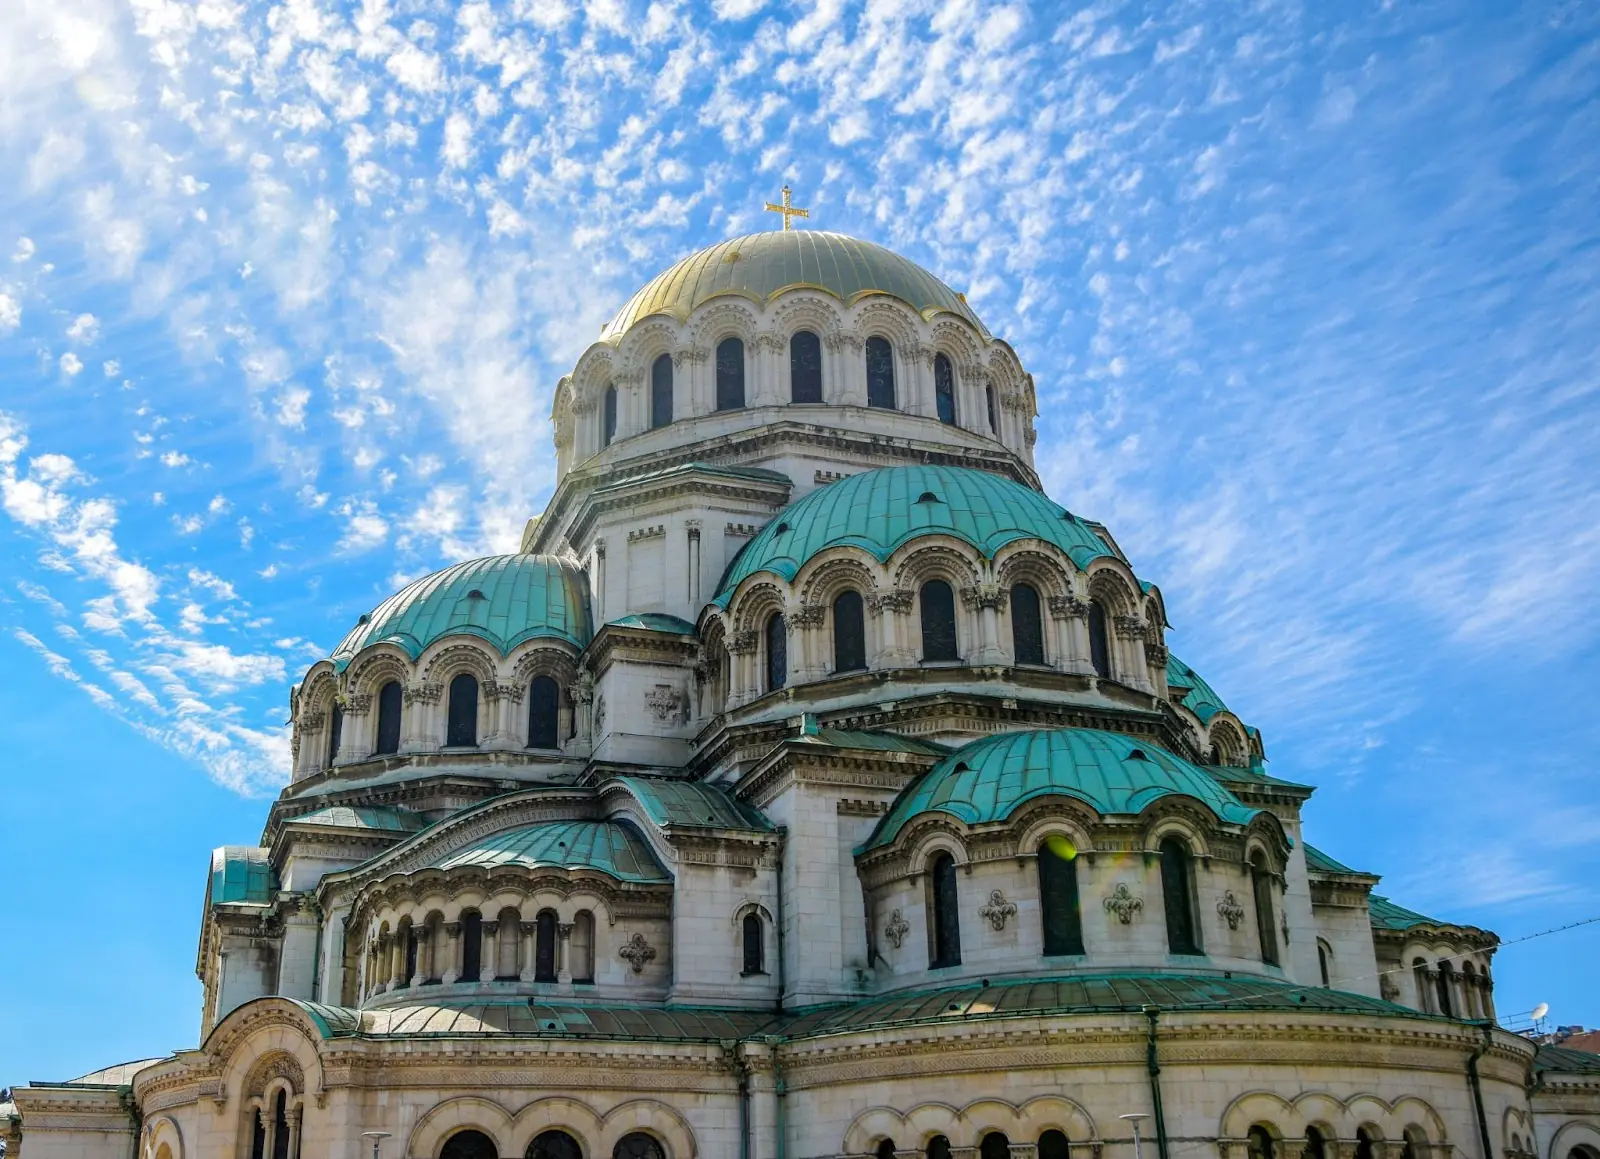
958, 663
753, 974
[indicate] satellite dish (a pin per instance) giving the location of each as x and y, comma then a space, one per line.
1541, 1010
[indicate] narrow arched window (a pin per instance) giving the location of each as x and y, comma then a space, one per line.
1258, 1143
944, 389
637, 1145
849, 633
335, 732
1323, 954
1419, 978
581, 948
944, 912
777, 652
413, 951
280, 1125
1363, 1144
608, 417
938, 1148
1027, 625
258, 1133
1177, 896
1446, 980
994, 1146
1099, 643
390, 699
885, 1149
554, 1145
1316, 1145
469, 1144
544, 713
471, 946
994, 416
938, 608
1261, 887
805, 367
1053, 1145
730, 374
880, 373
1058, 897
754, 950
661, 391
462, 728
544, 946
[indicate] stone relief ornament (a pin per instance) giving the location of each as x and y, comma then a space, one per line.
1388, 988
600, 714
636, 952
1229, 909
1067, 607
897, 929
664, 702
1122, 903
997, 910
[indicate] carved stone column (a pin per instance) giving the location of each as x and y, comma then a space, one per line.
529, 966
489, 953
563, 961
294, 1131
986, 600
453, 948
269, 1121
891, 608
1070, 614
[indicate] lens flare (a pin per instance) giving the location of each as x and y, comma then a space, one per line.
1061, 846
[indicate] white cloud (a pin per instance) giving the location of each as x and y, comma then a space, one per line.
24, 250
364, 527
85, 329
175, 459
10, 313
71, 364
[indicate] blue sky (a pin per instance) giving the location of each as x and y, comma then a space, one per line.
1311, 294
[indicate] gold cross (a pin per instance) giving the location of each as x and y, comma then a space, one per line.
787, 209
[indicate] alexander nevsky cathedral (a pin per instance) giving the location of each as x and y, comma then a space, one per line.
809, 785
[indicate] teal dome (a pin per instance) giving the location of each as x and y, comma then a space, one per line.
878, 511
504, 599
611, 847
988, 779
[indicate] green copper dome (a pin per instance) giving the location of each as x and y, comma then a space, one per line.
1112, 773
504, 599
611, 847
878, 511
763, 265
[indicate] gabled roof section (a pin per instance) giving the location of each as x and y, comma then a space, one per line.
1319, 862
654, 622
1386, 915
691, 804
379, 817
242, 875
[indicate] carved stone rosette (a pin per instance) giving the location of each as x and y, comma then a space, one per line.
636, 952
1229, 909
996, 910
1123, 903
895, 932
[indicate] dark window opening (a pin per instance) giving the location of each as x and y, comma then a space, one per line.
469, 1144
661, 392
258, 1136
335, 732
1322, 964
1027, 625
938, 622
730, 374
880, 373
390, 699
994, 418
805, 367
471, 946
544, 713
280, 1126
544, 946
1261, 886
938, 1147
554, 1145
1363, 1144
849, 633
994, 1146
411, 955
462, 731
754, 950
1316, 1146
1176, 896
1053, 1145
945, 929
944, 389
1099, 644
1259, 1143
637, 1145
885, 1149
608, 417
1058, 897
1445, 979
777, 652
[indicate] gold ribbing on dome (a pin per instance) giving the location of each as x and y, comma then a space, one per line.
787, 209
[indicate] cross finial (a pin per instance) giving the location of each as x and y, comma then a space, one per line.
787, 209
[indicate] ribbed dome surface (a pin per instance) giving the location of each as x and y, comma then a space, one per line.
762, 265
878, 511
988, 779
608, 846
504, 599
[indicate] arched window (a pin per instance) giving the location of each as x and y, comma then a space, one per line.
1446, 979
994, 417
608, 417
637, 1145
885, 1149
994, 1146
554, 1145
1363, 1144
544, 946
1259, 1143
1054, 1145
1177, 897
1027, 625
1058, 897
280, 1125
849, 633
938, 607
1261, 887
544, 713
805, 367
730, 374
581, 948
471, 946
469, 1144
944, 389
661, 392
938, 1148
1324, 958
462, 730
777, 652
754, 950
1099, 643
1316, 1145
1409, 1151
335, 732
944, 913
413, 951
390, 698
880, 373
1419, 976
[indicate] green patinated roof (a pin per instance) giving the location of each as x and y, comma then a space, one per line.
364, 817
1201, 699
518, 597
1319, 862
886, 742
988, 779
1565, 1059
691, 803
1389, 916
880, 510
612, 847
760, 266
242, 875
654, 622
1086, 994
